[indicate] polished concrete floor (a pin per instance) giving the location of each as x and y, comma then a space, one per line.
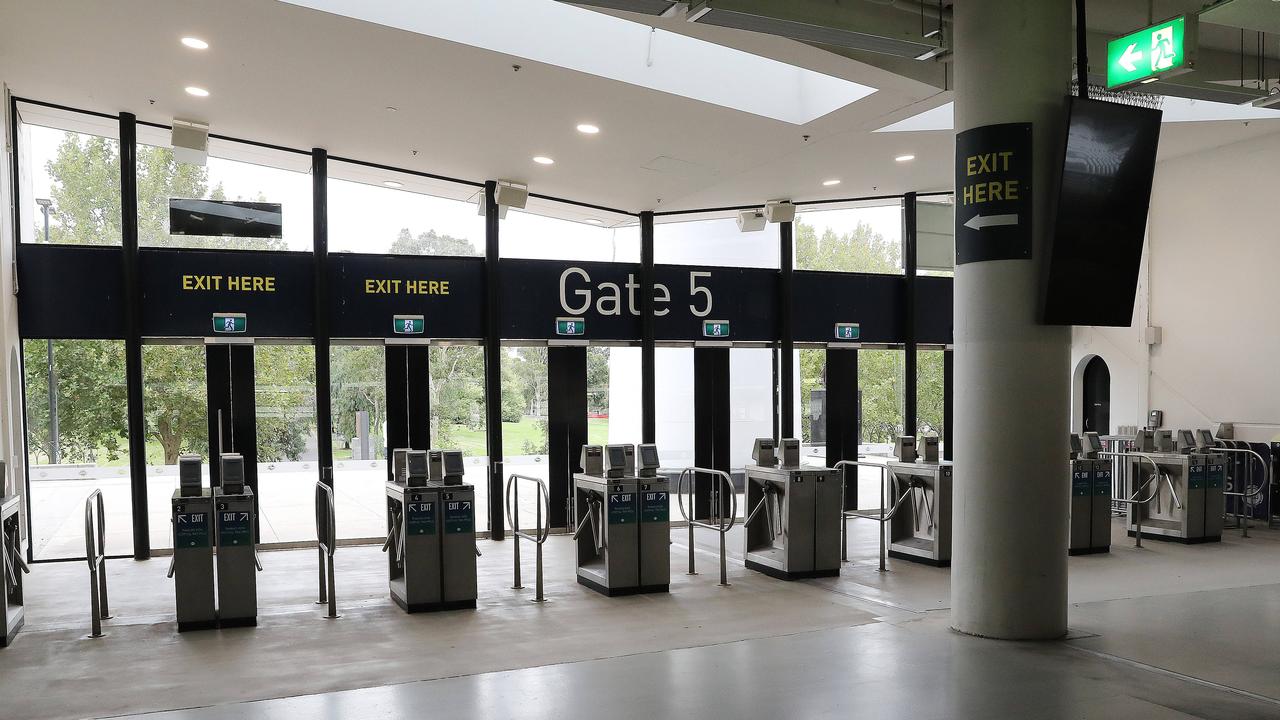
1164, 631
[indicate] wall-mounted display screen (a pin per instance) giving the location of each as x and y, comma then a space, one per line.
225, 218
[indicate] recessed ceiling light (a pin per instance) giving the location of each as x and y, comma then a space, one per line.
392, 183
595, 221
197, 91
905, 158
588, 129
544, 160
829, 183
195, 43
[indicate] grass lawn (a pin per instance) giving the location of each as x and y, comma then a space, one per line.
514, 436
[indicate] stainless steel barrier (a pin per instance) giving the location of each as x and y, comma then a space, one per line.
1157, 475
95, 552
719, 522
541, 531
881, 514
1242, 515
326, 543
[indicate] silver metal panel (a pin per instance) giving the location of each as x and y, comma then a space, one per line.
236, 560
458, 544
193, 584
922, 526
414, 573
614, 566
653, 496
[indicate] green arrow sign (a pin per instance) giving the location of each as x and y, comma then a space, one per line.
848, 331
715, 329
1162, 50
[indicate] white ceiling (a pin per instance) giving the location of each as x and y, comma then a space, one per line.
291, 76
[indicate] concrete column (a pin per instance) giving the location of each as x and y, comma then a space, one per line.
1012, 404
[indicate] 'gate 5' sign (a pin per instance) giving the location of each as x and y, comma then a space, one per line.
993, 193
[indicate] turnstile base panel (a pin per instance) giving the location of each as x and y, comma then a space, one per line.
1177, 539
780, 574
190, 625
435, 606
237, 622
923, 560
614, 592
1089, 551
17, 618
646, 589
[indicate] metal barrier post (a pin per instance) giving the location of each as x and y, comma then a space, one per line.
542, 528
882, 518
326, 543
717, 513
1242, 505
95, 553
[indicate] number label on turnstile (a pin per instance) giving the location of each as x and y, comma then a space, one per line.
191, 530
459, 516
654, 507
1213, 478
233, 528
1102, 482
622, 508
420, 518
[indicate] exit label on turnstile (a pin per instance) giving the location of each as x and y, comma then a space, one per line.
408, 325
1102, 482
420, 518
654, 507
230, 323
715, 328
191, 530
848, 331
1195, 477
234, 528
622, 509
1081, 483
571, 327
459, 516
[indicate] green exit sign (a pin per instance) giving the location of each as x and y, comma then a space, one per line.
848, 331
1162, 50
230, 323
408, 325
715, 328
571, 326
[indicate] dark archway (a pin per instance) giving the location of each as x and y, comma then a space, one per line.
1097, 397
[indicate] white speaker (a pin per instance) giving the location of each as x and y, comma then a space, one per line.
751, 220
779, 211
510, 194
190, 140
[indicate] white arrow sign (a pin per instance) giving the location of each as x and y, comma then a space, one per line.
977, 222
1130, 56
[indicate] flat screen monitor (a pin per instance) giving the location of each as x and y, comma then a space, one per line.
417, 462
1186, 438
1100, 216
1206, 438
225, 218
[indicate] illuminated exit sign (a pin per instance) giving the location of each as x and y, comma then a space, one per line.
848, 331
230, 323
1160, 51
571, 326
715, 328
408, 325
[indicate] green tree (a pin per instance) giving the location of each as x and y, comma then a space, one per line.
358, 382
91, 401
430, 243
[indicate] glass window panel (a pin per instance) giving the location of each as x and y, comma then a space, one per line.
285, 399
76, 176
673, 379
811, 383
750, 401
716, 241
866, 238
929, 392
234, 171
386, 212
88, 450
524, 418
175, 408
935, 235
541, 237
358, 390
880, 381
457, 415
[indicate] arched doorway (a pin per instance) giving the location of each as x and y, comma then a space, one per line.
1097, 397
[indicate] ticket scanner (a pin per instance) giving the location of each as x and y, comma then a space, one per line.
920, 530
1090, 497
192, 566
431, 547
457, 533
621, 520
1184, 480
794, 514
237, 547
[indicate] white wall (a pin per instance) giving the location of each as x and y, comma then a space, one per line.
11, 421
1211, 280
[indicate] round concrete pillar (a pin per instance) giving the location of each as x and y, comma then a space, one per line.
1012, 375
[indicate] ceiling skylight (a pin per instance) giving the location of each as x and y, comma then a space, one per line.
571, 37
1176, 110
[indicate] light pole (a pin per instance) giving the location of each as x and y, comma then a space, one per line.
54, 449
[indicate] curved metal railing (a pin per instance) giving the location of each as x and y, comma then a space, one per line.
719, 522
542, 527
1158, 474
881, 514
1242, 515
326, 543
95, 553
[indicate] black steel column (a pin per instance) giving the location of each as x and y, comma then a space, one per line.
133, 334
418, 384
787, 363
710, 419
566, 424
648, 382
493, 363
217, 380
842, 416
244, 422
396, 376
320, 261
909, 314
948, 393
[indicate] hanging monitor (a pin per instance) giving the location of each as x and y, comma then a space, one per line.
225, 218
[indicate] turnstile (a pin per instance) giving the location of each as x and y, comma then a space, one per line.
653, 496
1090, 499
237, 556
192, 565
413, 547
11, 601
920, 530
795, 532
607, 524
1186, 504
457, 542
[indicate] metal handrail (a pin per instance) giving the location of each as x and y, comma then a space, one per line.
882, 518
1157, 475
541, 530
96, 555
1242, 517
717, 513
326, 544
